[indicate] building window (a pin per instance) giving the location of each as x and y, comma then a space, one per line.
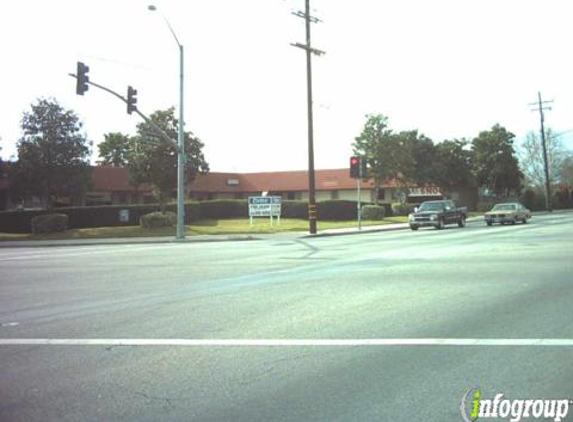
290, 196
381, 194
334, 194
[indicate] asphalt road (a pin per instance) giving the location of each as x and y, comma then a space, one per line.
170, 302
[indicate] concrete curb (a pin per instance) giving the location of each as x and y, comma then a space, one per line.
365, 230
121, 241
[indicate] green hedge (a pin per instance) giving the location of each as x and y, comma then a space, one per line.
373, 212
294, 209
224, 208
336, 210
108, 215
49, 223
158, 219
87, 217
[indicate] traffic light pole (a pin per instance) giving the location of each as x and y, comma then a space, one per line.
159, 131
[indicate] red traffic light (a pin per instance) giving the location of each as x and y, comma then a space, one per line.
355, 167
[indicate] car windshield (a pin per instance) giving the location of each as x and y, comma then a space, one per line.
505, 207
432, 206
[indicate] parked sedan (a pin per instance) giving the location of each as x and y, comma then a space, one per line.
507, 213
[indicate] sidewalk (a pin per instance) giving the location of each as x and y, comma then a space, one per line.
197, 238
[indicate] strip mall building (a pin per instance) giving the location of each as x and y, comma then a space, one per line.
111, 186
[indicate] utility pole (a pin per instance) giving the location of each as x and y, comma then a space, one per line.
359, 199
540, 108
309, 50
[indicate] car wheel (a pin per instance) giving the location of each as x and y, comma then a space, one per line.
462, 222
440, 224
513, 221
489, 223
524, 220
414, 227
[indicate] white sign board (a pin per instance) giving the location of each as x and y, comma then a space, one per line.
124, 216
265, 206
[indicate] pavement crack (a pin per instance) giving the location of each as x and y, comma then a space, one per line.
167, 400
313, 249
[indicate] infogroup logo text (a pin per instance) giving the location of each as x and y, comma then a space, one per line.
474, 407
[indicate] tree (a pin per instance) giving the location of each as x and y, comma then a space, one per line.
566, 178
415, 158
453, 164
531, 158
115, 150
381, 151
154, 159
52, 154
495, 163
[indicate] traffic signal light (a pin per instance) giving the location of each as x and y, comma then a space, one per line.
131, 99
82, 79
355, 167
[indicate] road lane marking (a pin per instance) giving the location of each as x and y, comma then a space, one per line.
287, 342
65, 253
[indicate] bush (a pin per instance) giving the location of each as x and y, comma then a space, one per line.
373, 212
158, 219
485, 206
224, 208
562, 198
336, 210
49, 223
294, 209
402, 209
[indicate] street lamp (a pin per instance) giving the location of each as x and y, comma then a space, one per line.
180, 140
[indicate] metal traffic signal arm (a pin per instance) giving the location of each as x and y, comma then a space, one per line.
130, 101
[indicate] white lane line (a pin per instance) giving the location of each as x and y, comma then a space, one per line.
284, 343
49, 254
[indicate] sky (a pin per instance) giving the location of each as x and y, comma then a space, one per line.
448, 68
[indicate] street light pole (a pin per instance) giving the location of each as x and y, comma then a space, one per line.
180, 141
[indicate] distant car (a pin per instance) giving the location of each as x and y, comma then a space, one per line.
507, 213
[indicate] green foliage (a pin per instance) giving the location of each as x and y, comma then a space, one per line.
224, 208
373, 212
485, 206
495, 162
116, 150
108, 215
402, 209
421, 168
294, 209
376, 146
49, 223
453, 163
158, 219
53, 156
154, 159
336, 210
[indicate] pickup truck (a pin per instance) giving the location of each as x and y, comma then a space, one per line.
438, 214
